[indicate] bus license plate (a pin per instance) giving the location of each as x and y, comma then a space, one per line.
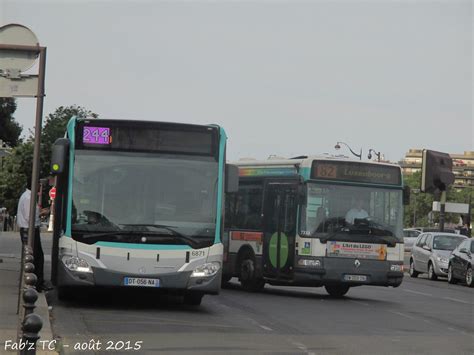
355, 277
141, 282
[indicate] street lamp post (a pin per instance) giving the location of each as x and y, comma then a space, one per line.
337, 146
377, 154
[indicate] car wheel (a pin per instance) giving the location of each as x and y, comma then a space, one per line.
451, 278
469, 281
412, 271
431, 272
337, 291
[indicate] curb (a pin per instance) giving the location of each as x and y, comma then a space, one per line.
46, 332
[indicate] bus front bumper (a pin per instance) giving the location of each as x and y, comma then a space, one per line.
351, 271
170, 281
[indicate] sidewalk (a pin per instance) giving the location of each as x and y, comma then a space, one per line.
9, 278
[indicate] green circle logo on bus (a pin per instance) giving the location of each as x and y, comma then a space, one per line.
273, 248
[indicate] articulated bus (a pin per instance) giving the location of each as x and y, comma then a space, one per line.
315, 221
140, 204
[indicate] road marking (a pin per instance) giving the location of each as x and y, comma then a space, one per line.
402, 314
456, 300
265, 327
419, 293
358, 302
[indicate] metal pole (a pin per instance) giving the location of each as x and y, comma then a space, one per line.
441, 211
36, 152
414, 212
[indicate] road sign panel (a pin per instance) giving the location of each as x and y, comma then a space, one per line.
52, 193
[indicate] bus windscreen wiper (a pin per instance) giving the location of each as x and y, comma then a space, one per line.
174, 232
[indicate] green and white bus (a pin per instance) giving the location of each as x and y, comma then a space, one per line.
140, 204
315, 221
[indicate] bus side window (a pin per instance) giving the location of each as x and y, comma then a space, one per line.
243, 210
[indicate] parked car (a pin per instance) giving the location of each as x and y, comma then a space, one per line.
409, 237
430, 253
460, 263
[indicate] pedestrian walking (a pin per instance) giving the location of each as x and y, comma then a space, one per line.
23, 214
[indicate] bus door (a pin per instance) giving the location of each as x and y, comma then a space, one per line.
279, 229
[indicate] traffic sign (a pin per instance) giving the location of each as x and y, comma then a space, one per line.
17, 35
52, 193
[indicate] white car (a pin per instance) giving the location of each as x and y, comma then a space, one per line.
431, 251
409, 237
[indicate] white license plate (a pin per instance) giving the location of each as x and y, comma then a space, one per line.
141, 282
355, 277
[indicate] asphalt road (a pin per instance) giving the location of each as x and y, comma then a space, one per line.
421, 316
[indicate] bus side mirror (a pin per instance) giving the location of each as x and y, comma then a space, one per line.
406, 195
231, 178
59, 156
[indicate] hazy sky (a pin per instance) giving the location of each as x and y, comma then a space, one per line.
286, 78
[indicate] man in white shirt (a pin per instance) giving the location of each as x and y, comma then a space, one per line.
23, 214
356, 212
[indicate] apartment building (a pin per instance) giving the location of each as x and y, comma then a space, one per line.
463, 166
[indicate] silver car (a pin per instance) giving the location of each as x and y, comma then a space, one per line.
409, 237
430, 253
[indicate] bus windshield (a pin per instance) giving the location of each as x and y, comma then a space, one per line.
143, 197
352, 213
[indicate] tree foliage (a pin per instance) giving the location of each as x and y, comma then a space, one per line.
10, 130
18, 165
421, 204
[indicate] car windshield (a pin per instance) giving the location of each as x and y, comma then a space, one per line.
163, 195
353, 213
446, 242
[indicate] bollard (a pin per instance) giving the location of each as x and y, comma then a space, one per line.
30, 296
31, 326
29, 258
30, 280
29, 268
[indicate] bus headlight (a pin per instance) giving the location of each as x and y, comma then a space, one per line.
207, 269
309, 262
396, 267
74, 263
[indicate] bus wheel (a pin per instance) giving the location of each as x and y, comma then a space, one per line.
337, 290
248, 280
193, 298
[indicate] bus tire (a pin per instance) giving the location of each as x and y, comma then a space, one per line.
337, 291
247, 276
193, 298
413, 273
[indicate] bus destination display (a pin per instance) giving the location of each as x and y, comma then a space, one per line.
96, 135
350, 171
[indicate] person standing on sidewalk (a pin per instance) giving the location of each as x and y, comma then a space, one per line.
23, 215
